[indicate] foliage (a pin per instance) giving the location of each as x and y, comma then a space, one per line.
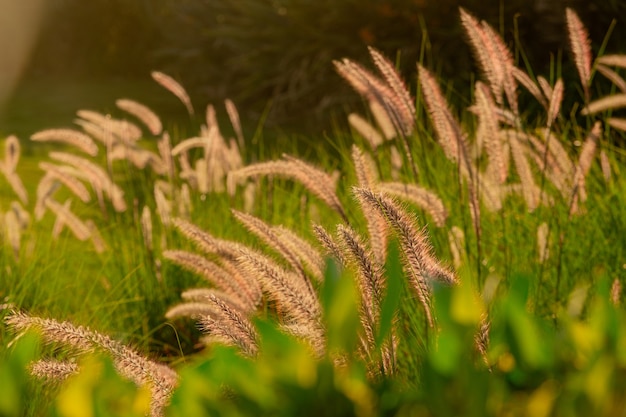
384, 325
571, 365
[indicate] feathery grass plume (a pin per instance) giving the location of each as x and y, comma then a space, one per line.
530, 190
503, 54
561, 156
61, 174
581, 48
190, 309
99, 179
529, 85
12, 152
16, 184
205, 241
69, 170
488, 132
397, 85
545, 86
23, 217
67, 136
382, 119
13, 232
297, 303
376, 225
616, 292
585, 160
372, 88
143, 113
230, 326
395, 158
235, 121
106, 137
166, 187
202, 176
366, 130
605, 165
481, 339
617, 123
189, 143
128, 362
123, 130
416, 245
612, 76
197, 305
210, 116
213, 274
152, 159
425, 199
370, 281
232, 155
491, 194
309, 256
421, 266
173, 87
219, 159
163, 206
550, 156
249, 196
456, 239
202, 294
146, 228
392, 95
613, 60
46, 188
59, 222
542, 242
313, 335
80, 229
364, 167
487, 53
555, 102
184, 201
313, 179
227, 250
611, 102
475, 206
96, 238
164, 145
449, 132
53, 370
329, 243
549, 168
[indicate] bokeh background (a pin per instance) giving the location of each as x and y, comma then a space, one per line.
272, 57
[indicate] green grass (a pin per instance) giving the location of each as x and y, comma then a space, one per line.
552, 322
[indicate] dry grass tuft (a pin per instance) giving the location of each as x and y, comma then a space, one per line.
128, 362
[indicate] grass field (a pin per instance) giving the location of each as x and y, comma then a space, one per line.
414, 265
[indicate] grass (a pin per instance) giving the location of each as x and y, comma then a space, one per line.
127, 289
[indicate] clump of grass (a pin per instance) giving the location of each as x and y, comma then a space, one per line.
490, 188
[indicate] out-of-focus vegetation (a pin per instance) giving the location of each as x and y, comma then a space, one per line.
531, 321
257, 52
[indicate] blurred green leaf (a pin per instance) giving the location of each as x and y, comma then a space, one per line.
14, 375
99, 391
529, 344
339, 301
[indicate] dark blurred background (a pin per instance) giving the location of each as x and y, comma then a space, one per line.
277, 54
